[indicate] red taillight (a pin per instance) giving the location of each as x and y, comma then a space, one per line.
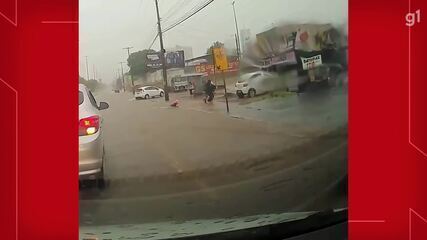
88, 126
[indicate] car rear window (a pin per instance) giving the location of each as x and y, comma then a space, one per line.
81, 97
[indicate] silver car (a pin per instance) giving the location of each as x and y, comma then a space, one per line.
256, 83
91, 143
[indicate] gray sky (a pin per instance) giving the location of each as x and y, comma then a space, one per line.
107, 26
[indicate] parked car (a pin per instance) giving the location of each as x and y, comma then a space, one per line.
91, 142
149, 92
255, 83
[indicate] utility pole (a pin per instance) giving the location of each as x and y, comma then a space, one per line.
118, 76
162, 53
94, 72
237, 44
130, 70
237, 30
87, 69
123, 77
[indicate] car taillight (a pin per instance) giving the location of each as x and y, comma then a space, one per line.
88, 126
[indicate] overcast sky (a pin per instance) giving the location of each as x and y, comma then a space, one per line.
107, 26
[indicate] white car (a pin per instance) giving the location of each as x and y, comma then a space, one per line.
252, 84
91, 143
148, 92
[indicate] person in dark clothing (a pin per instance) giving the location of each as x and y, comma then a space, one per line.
209, 90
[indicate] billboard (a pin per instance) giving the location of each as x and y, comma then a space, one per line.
304, 37
316, 37
173, 60
153, 60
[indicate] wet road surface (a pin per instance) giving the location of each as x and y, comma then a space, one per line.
197, 162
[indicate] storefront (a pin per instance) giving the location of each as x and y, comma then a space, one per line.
204, 65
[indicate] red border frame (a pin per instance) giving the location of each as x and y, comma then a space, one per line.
387, 179
38, 59
387, 174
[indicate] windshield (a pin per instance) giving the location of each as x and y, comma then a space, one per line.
195, 147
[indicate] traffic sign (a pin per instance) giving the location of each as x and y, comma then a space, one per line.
220, 57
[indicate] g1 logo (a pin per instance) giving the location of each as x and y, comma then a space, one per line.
412, 18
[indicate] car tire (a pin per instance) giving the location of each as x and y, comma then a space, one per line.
240, 95
100, 180
162, 94
147, 96
251, 93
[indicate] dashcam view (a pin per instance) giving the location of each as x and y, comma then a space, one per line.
212, 117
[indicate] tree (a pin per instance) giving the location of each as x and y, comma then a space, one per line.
216, 44
91, 84
137, 62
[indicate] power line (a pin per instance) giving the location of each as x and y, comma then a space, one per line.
154, 40
173, 10
175, 7
151, 35
188, 15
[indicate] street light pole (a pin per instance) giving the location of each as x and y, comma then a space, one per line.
87, 69
237, 44
123, 77
237, 30
130, 70
94, 72
162, 53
